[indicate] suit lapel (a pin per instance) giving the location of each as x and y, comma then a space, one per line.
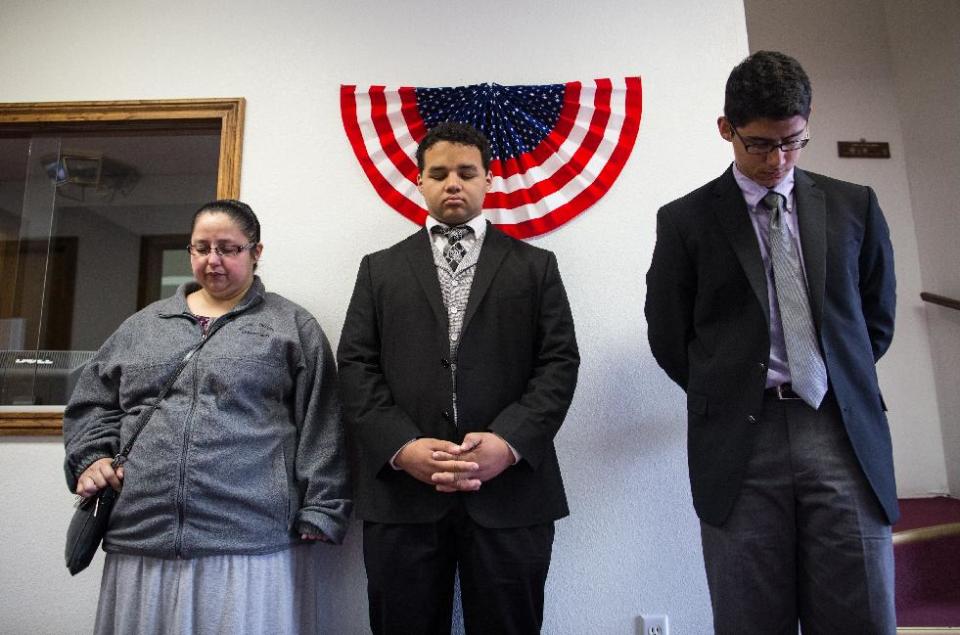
495, 247
732, 214
812, 219
419, 253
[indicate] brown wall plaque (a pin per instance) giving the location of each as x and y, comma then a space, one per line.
863, 149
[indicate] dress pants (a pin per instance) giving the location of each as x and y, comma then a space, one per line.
411, 567
807, 540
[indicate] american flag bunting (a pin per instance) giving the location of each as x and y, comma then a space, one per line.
557, 148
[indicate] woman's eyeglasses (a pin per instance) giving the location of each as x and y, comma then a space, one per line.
224, 251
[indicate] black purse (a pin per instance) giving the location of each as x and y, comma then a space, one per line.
89, 523
87, 528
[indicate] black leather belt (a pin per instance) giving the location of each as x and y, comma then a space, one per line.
783, 392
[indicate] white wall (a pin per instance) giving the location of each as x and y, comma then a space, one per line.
634, 547
925, 51
844, 48
631, 544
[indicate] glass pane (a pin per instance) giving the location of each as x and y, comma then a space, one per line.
26, 306
13, 182
117, 221
176, 271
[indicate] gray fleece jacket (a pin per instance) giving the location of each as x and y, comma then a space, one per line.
245, 452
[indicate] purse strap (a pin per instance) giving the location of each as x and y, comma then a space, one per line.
121, 458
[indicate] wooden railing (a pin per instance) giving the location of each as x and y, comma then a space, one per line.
942, 300
921, 534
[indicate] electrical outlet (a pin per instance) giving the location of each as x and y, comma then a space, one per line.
654, 625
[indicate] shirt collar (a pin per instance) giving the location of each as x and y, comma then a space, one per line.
478, 223
753, 192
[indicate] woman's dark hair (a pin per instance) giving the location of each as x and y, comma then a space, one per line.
238, 211
455, 132
767, 85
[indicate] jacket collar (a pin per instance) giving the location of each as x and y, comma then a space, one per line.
496, 244
730, 210
176, 305
733, 216
812, 219
419, 253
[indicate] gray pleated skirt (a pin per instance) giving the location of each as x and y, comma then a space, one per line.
273, 593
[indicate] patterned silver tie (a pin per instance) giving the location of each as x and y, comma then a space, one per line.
453, 251
808, 374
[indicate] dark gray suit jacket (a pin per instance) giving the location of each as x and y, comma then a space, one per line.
516, 373
708, 323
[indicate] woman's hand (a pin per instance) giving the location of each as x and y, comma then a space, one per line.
98, 476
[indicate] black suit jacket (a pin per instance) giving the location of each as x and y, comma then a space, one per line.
516, 373
708, 323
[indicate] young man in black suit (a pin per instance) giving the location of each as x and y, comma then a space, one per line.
769, 300
458, 361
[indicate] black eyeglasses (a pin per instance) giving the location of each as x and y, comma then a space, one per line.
767, 147
224, 251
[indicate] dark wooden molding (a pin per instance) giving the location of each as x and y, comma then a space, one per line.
230, 112
51, 115
31, 423
942, 300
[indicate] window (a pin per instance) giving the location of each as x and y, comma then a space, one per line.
95, 206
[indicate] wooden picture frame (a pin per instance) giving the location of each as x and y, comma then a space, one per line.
51, 116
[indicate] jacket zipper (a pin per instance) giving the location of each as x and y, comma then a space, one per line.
181, 486
181, 489
181, 502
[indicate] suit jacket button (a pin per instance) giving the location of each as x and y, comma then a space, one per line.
763, 366
751, 419
446, 415
445, 362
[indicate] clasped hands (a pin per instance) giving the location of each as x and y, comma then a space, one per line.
456, 468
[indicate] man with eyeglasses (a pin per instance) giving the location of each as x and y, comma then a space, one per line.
769, 300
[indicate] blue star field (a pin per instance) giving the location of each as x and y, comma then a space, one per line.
514, 118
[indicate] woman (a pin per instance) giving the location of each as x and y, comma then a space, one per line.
239, 466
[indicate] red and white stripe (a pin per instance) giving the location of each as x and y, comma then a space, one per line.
570, 170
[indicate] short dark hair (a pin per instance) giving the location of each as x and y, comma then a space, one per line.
455, 132
238, 211
767, 85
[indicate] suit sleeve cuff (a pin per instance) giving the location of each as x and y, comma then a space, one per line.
393, 459
513, 450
